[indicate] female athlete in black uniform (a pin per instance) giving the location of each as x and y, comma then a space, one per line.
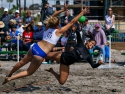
80, 52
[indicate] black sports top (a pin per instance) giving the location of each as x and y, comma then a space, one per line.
80, 52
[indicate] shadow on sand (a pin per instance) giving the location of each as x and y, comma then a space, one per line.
28, 88
120, 63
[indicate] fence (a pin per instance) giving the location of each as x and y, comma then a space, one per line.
118, 37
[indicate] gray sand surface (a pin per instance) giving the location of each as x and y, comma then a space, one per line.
82, 79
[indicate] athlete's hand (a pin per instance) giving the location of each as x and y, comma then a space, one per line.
100, 62
65, 7
86, 10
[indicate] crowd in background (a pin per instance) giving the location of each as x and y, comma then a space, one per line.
13, 26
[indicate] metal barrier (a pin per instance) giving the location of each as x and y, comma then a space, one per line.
118, 37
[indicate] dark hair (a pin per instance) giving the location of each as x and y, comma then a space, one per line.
92, 40
30, 27
14, 26
47, 3
91, 36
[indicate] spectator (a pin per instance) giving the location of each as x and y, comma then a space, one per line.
86, 27
6, 19
38, 34
12, 22
2, 33
20, 27
17, 16
66, 18
71, 42
48, 10
107, 53
27, 36
100, 38
29, 19
64, 41
8, 42
14, 33
110, 21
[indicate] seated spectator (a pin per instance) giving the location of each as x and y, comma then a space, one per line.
85, 28
38, 33
14, 34
100, 38
64, 40
29, 19
12, 22
110, 21
8, 42
20, 27
2, 33
27, 36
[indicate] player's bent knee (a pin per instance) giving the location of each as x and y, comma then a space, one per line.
62, 82
29, 73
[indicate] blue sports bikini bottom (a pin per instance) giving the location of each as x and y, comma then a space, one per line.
36, 50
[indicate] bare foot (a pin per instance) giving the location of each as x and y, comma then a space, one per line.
113, 61
49, 70
5, 81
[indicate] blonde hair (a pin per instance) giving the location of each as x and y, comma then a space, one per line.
52, 22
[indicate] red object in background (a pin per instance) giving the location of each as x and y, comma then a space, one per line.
28, 36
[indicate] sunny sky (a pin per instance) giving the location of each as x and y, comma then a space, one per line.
29, 2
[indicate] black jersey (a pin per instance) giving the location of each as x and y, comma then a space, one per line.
80, 52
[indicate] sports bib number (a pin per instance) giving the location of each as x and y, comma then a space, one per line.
49, 35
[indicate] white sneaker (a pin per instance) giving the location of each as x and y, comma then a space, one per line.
100, 57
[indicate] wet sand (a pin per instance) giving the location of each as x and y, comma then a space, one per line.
82, 79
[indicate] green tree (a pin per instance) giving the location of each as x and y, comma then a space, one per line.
37, 18
1, 11
14, 7
9, 1
34, 7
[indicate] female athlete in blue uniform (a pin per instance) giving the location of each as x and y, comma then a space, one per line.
39, 51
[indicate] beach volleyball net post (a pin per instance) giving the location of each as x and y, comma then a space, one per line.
18, 38
110, 50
